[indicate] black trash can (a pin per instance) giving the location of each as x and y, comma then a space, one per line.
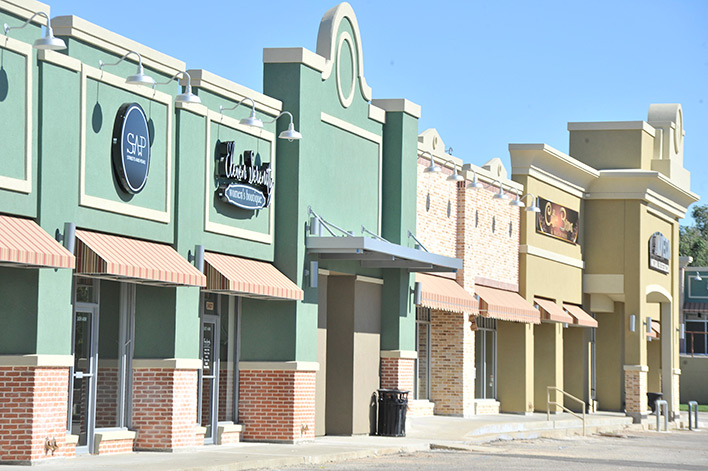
392, 412
653, 397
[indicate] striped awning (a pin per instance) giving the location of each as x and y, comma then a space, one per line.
655, 330
445, 294
23, 242
695, 307
249, 278
552, 312
580, 317
506, 306
110, 256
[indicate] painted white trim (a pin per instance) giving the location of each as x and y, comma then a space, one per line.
690, 291
199, 430
294, 55
71, 440
22, 185
38, 360
196, 108
120, 207
368, 135
368, 279
635, 368
107, 40
225, 229
168, 363
677, 371
25, 9
398, 105
279, 365
327, 40
658, 289
323, 272
405, 354
346, 101
377, 114
549, 255
233, 91
613, 126
57, 58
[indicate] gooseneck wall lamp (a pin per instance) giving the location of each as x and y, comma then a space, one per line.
698, 276
290, 134
475, 184
432, 168
519, 202
139, 78
454, 176
48, 41
500, 195
251, 120
187, 96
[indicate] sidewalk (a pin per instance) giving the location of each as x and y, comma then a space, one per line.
422, 432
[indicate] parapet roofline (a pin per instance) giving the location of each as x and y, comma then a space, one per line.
75, 27
613, 126
26, 8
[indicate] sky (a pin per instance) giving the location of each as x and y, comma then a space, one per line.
486, 73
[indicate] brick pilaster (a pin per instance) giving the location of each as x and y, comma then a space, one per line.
33, 408
635, 390
398, 373
164, 408
277, 405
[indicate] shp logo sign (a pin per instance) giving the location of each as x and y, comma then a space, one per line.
131, 148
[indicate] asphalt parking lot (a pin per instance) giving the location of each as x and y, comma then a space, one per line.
679, 450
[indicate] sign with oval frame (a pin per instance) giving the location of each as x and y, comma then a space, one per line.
130, 151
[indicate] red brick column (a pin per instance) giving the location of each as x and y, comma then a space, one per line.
277, 405
165, 408
33, 407
398, 373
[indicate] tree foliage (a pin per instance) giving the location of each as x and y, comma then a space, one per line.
693, 239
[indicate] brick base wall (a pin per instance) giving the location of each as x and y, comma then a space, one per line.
33, 409
635, 390
398, 373
164, 408
277, 405
111, 447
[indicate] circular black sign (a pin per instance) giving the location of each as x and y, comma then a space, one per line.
131, 148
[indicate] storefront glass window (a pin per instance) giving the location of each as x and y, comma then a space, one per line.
696, 337
227, 361
423, 349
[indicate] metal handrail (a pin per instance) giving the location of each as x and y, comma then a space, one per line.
549, 402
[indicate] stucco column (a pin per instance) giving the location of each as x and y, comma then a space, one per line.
548, 364
515, 368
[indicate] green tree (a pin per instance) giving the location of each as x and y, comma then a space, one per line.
693, 240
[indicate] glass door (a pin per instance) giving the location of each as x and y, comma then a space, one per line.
486, 358
209, 375
83, 397
422, 377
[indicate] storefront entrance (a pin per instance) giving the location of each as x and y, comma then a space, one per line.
218, 381
486, 358
99, 396
423, 346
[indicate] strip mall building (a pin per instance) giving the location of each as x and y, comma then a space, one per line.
175, 273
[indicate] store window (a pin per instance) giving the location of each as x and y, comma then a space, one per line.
422, 334
697, 337
486, 358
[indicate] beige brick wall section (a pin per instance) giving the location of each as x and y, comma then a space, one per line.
635, 390
398, 373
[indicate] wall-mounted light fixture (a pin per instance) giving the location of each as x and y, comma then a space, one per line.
251, 120
698, 276
187, 96
632, 323
500, 195
475, 184
519, 202
648, 325
682, 332
68, 238
432, 168
139, 78
48, 41
417, 293
197, 257
290, 134
454, 177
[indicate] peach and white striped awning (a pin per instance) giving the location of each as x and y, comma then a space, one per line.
506, 306
111, 256
580, 317
23, 242
249, 278
655, 330
438, 292
552, 312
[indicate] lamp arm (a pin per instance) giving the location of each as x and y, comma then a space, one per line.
253, 103
184, 74
140, 60
533, 198
8, 28
283, 113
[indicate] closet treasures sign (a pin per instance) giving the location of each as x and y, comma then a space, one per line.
247, 185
